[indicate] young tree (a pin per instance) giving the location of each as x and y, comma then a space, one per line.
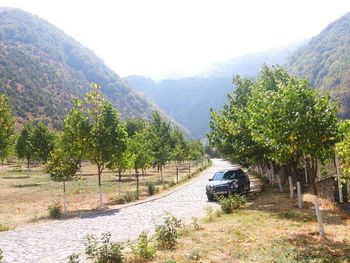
159, 134
7, 127
24, 147
107, 133
76, 129
62, 168
42, 141
141, 149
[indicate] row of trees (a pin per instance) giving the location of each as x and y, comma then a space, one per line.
93, 131
277, 121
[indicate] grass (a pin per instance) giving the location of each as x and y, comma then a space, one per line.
26, 199
270, 228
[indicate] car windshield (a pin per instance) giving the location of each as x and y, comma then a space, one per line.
225, 175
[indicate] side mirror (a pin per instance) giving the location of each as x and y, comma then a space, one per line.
210, 179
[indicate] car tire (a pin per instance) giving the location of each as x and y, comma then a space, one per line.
210, 198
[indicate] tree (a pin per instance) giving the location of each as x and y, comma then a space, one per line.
62, 168
141, 149
7, 127
76, 131
107, 132
159, 134
24, 147
196, 150
42, 141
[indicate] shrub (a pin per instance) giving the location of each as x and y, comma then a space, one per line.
231, 203
74, 258
167, 233
210, 213
3, 228
150, 188
172, 183
55, 211
103, 251
131, 196
142, 249
193, 256
1, 256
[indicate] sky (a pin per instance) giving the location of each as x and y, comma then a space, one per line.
159, 38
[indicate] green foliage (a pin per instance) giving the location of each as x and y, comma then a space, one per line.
35, 142
3, 228
167, 233
61, 166
7, 127
231, 203
143, 249
103, 250
55, 211
343, 150
73, 258
151, 188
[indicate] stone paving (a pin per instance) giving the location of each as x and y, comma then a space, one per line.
55, 241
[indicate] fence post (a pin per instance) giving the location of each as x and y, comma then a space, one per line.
291, 190
340, 190
300, 201
177, 174
189, 168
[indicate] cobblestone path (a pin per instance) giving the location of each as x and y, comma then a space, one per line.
54, 241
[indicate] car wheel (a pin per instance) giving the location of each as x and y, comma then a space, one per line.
210, 197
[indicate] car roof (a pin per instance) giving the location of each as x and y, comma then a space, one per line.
232, 169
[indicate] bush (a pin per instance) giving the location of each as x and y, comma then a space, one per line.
1, 256
150, 188
231, 203
130, 197
103, 251
209, 210
3, 228
167, 233
74, 258
142, 249
55, 211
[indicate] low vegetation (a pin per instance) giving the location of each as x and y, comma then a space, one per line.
231, 203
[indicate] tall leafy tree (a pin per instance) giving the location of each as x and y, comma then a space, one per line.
76, 129
42, 141
160, 137
107, 132
141, 149
7, 127
24, 147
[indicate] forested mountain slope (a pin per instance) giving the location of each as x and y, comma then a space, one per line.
42, 70
325, 62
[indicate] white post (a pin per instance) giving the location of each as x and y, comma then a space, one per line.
279, 183
319, 217
300, 200
340, 190
291, 191
272, 175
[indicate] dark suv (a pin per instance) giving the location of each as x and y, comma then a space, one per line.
228, 182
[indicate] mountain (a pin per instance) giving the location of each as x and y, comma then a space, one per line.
325, 62
188, 100
42, 70
250, 64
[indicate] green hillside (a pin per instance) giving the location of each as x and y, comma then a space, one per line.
42, 69
325, 62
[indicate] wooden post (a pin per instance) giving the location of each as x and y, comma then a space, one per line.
189, 168
177, 175
64, 198
300, 201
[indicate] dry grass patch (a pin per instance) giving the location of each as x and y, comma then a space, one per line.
268, 229
26, 199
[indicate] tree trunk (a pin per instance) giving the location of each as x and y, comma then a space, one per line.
318, 213
161, 173
28, 168
158, 170
99, 172
119, 182
64, 198
137, 180
80, 168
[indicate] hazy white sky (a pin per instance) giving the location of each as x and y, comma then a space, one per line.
154, 37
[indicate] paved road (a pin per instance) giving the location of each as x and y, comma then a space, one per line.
54, 241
